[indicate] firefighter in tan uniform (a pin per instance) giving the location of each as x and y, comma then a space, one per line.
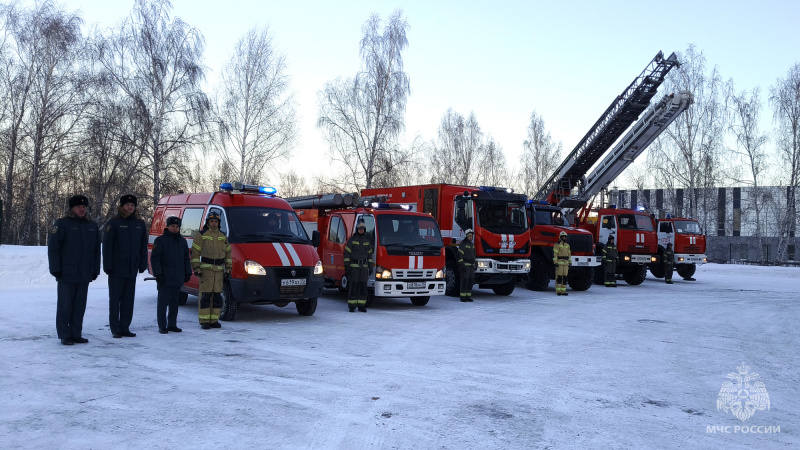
211, 262
358, 262
561, 259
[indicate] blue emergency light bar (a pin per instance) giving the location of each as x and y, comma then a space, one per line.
377, 205
538, 202
268, 190
493, 188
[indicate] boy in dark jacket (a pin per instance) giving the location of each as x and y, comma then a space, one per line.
73, 252
171, 267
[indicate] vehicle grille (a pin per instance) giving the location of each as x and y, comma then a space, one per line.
292, 291
580, 242
413, 274
691, 249
299, 272
642, 249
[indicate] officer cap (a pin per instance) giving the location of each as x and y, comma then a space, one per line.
77, 200
174, 221
129, 198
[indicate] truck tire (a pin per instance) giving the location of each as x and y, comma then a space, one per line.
580, 279
343, 287
657, 270
306, 307
452, 280
635, 275
182, 298
539, 276
505, 289
420, 301
686, 270
229, 304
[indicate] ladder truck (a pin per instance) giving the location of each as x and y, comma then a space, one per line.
592, 165
688, 244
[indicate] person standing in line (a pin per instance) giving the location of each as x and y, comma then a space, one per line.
73, 254
124, 255
358, 263
562, 260
172, 268
669, 259
466, 265
610, 260
211, 262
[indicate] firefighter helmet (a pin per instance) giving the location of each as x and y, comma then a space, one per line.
213, 215
610, 237
469, 231
562, 234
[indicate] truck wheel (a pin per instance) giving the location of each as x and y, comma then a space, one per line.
343, 287
182, 298
657, 270
686, 270
229, 304
539, 276
306, 307
505, 289
635, 275
420, 301
580, 279
453, 280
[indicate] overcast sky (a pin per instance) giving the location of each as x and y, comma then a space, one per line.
501, 59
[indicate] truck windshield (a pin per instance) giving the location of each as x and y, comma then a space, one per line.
635, 222
500, 217
258, 224
549, 217
687, 227
396, 230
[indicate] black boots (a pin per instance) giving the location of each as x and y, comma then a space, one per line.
80, 340
362, 308
162, 330
174, 329
215, 325
205, 326
67, 341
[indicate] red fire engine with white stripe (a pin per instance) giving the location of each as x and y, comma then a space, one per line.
688, 245
274, 260
497, 215
408, 248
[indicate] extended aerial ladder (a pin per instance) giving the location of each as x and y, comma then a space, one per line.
570, 188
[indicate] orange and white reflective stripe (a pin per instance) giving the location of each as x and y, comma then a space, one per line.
415, 262
285, 258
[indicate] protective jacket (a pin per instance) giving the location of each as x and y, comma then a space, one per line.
211, 252
73, 249
610, 253
125, 245
466, 254
358, 252
561, 254
170, 258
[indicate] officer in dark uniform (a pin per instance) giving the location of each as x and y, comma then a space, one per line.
171, 267
610, 260
466, 265
73, 253
124, 255
669, 259
358, 263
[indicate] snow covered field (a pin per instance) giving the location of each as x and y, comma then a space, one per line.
633, 367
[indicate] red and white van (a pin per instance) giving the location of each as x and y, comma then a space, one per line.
271, 265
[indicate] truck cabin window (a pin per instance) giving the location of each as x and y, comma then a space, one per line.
408, 231
260, 224
497, 216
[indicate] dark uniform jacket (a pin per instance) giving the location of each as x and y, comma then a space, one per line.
125, 246
610, 253
669, 257
466, 253
170, 258
358, 249
73, 249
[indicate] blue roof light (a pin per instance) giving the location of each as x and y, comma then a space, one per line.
269, 190
225, 187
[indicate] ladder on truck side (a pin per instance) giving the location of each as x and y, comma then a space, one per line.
617, 118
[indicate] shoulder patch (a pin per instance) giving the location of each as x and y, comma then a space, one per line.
54, 230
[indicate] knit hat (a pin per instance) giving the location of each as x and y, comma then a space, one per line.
77, 200
130, 198
174, 221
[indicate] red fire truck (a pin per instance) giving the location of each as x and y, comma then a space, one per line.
409, 255
546, 223
497, 216
688, 245
274, 261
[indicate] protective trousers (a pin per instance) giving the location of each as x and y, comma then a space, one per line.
70, 309
467, 272
610, 268
357, 280
121, 291
167, 298
668, 271
562, 271
210, 303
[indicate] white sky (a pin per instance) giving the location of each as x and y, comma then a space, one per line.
501, 59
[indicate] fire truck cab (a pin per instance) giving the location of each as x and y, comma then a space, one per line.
688, 245
635, 236
274, 261
498, 218
408, 249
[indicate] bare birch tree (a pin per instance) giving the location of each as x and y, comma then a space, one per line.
255, 120
540, 156
362, 117
493, 169
785, 100
459, 150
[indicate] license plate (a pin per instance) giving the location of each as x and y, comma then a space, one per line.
582, 263
506, 250
416, 285
293, 282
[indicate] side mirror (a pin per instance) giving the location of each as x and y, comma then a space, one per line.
315, 238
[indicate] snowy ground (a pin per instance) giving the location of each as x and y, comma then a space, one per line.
632, 367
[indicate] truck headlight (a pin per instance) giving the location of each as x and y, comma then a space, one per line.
439, 274
318, 268
382, 274
653, 258
483, 264
680, 258
627, 258
526, 264
254, 268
